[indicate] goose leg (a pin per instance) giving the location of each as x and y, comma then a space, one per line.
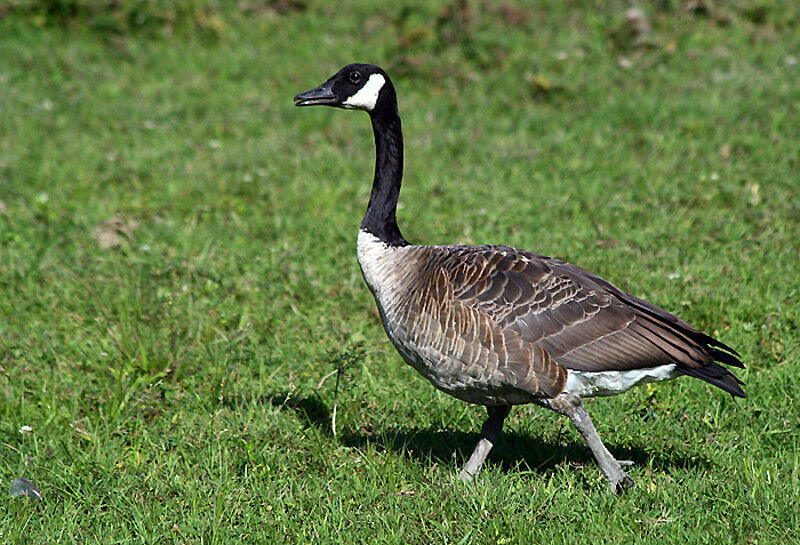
570, 405
490, 434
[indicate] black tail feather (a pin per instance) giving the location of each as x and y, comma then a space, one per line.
726, 358
714, 343
716, 375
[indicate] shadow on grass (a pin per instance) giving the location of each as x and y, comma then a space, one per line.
516, 450
309, 408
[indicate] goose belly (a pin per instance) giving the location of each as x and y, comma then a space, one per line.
474, 383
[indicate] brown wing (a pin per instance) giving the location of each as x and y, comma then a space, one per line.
582, 321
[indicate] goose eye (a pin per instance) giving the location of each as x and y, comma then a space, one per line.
354, 77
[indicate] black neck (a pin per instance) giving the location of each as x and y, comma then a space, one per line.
380, 219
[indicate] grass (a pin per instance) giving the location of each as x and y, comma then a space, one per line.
177, 270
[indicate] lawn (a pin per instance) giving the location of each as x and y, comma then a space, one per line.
178, 282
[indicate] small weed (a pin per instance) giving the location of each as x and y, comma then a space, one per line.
342, 362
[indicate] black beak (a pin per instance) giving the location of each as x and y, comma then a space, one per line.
320, 95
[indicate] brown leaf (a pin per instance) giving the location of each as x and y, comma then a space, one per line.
515, 15
111, 233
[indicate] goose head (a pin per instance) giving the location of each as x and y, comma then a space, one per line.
354, 87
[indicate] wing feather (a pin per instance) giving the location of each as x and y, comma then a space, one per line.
582, 321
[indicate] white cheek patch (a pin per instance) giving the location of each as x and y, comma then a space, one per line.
367, 96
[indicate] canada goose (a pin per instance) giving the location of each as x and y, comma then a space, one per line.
498, 326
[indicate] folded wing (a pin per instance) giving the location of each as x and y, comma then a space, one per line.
582, 321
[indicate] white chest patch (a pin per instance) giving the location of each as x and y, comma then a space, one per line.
387, 271
373, 257
367, 96
606, 383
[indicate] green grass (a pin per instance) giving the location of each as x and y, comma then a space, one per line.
173, 383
